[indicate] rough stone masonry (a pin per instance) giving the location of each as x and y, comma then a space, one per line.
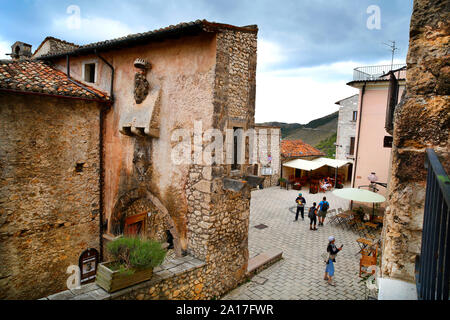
422, 120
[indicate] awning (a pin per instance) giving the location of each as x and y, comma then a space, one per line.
334, 163
303, 164
309, 165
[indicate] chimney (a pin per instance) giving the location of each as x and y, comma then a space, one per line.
20, 51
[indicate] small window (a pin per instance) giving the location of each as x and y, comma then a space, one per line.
352, 146
355, 115
89, 72
237, 133
387, 141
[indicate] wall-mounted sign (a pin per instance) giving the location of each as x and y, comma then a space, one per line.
88, 262
266, 171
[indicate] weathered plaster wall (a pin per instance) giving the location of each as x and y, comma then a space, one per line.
422, 120
49, 213
370, 154
182, 75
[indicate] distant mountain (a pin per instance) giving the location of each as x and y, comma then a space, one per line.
315, 132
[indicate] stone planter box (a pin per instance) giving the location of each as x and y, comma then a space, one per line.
112, 281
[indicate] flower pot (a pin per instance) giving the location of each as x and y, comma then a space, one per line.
114, 280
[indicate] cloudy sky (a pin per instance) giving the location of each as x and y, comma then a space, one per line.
307, 49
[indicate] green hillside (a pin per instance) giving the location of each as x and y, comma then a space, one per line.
320, 133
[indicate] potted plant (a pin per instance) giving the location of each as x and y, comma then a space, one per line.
360, 214
133, 261
282, 182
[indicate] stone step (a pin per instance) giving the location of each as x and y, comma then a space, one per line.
263, 261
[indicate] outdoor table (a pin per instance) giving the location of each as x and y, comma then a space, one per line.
378, 219
372, 225
363, 243
343, 217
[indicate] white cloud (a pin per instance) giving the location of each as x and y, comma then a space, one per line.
303, 94
269, 53
92, 28
5, 47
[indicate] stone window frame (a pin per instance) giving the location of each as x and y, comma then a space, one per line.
241, 125
83, 68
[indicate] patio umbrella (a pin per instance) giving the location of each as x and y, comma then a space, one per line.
360, 195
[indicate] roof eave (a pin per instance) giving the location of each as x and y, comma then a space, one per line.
158, 35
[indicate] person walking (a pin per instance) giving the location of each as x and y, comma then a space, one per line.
332, 252
300, 206
312, 215
323, 207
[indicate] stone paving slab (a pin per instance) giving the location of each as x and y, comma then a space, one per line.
299, 275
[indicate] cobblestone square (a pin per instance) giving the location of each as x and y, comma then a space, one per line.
299, 275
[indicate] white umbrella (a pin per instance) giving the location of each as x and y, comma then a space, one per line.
359, 195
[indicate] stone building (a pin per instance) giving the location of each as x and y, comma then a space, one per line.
269, 161
346, 128
52, 45
422, 120
165, 87
50, 163
296, 149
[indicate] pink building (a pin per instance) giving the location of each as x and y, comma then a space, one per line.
373, 143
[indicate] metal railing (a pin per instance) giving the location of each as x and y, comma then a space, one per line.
433, 264
373, 72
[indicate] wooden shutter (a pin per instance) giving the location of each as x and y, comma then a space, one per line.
391, 102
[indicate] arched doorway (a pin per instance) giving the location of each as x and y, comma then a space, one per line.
139, 212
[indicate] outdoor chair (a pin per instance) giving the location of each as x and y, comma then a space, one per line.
368, 260
331, 216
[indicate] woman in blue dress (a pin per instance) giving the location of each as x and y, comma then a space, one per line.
332, 251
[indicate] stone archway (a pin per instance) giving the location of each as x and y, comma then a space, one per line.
138, 201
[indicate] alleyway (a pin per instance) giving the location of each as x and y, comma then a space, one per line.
299, 275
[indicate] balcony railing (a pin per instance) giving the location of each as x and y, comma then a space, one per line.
433, 264
373, 72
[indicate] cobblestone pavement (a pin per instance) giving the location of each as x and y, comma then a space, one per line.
300, 274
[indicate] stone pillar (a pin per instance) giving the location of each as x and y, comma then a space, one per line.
422, 120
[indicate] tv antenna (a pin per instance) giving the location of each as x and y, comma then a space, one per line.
393, 49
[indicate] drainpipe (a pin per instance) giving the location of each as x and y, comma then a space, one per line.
101, 181
363, 90
112, 74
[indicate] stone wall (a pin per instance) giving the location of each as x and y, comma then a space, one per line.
422, 120
267, 139
49, 212
346, 126
218, 217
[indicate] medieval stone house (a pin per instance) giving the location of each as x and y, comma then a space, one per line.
180, 77
50, 142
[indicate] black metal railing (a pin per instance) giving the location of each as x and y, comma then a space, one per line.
433, 264
373, 72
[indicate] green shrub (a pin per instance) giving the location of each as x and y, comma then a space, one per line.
136, 253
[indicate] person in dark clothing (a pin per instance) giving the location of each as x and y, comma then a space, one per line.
332, 252
323, 207
312, 215
300, 206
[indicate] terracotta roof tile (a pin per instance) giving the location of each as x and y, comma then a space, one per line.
38, 77
298, 148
